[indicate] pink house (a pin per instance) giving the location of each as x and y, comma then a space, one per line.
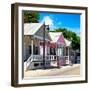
60, 47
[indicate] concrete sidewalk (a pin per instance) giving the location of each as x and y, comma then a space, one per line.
64, 70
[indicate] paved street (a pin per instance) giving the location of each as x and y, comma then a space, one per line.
65, 70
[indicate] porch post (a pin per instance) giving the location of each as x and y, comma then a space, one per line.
68, 54
39, 46
58, 58
57, 54
70, 61
32, 47
64, 54
44, 47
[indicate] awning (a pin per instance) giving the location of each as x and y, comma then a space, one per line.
46, 43
53, 45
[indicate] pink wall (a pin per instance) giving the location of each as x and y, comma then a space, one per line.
61, 40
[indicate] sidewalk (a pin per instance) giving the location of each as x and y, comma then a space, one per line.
64, 70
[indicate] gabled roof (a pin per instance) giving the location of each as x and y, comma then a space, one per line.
31, 28
68, 43
55, 36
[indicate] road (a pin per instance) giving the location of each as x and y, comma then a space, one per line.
65, 70
74, 71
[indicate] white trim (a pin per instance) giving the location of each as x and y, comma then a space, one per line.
68, 53
32, 47
41, 38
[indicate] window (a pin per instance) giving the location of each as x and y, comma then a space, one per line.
30, 49
52, 51
60, 51
36, 50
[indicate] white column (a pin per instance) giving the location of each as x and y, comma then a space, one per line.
57, 55
39, 46
56, 52
24, 51
68, 54
65, 54
32, 46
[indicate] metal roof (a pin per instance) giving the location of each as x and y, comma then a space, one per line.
31, 28
55, 36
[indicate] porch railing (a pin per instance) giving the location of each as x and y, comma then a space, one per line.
39, 58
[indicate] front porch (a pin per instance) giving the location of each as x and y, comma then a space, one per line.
51, 61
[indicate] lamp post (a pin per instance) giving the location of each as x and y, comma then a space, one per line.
44, 47
46, 27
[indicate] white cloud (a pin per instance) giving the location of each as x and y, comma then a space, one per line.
47, 20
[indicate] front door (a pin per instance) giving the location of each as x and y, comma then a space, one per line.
60, 51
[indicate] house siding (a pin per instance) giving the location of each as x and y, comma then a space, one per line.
40, 33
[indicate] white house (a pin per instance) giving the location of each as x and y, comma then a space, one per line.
33, 45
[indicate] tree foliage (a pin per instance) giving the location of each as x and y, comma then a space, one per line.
72, 36
31, 17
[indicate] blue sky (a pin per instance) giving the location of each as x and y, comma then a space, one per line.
59, 20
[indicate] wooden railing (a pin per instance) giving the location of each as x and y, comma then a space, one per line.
47, 58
